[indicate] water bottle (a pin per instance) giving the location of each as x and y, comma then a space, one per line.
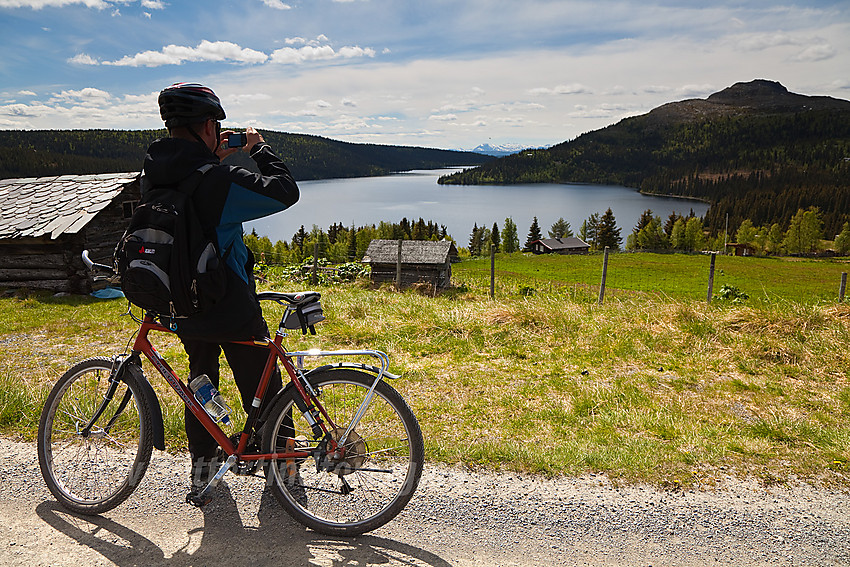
210, 398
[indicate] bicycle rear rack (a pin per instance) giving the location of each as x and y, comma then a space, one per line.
379, 373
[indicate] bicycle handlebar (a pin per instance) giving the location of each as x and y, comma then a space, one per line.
99, 272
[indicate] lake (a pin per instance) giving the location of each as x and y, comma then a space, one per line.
370, 200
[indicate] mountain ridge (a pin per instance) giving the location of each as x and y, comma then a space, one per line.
42, 153
753, 150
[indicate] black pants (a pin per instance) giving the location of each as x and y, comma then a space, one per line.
246, 362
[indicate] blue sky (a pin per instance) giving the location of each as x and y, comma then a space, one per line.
434, 73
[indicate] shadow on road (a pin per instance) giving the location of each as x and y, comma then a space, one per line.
276, 540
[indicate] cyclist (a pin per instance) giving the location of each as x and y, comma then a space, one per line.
226, 197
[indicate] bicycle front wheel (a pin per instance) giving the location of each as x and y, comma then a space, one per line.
374, 476
93, 471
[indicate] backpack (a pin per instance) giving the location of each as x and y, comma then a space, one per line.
167, 264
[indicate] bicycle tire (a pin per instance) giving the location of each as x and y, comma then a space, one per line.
382, 468
93, 474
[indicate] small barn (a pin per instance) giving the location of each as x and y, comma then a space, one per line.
564, 245
420, 261
46, 223
741, 249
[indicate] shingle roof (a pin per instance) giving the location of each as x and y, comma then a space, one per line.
412, 252
40, 206
563, 243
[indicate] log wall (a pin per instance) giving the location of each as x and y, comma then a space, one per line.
55, 264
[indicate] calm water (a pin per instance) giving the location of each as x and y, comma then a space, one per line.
369, 200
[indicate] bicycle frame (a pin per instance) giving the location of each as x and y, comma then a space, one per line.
319, 420
335, 428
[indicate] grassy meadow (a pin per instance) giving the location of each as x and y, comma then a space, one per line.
655, 385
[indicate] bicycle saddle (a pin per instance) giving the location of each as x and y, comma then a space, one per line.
297, 298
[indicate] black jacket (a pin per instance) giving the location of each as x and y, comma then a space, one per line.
227, 196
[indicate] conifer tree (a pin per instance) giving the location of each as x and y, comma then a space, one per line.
608, 234
495, 238
589, 231
560, 229
510, 237
533, 235
475, 241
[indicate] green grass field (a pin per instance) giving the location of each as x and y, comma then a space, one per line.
679, 276
654, 386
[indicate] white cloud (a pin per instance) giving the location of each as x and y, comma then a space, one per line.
815, 53
39, 4
219, 51
571, 89
277, 5
248, 98
761, 41
295, 56
27, 93
813, 48
228, 52
695, 90
86, 96
98, 4
443, 117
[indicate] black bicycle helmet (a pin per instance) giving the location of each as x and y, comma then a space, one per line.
188, 103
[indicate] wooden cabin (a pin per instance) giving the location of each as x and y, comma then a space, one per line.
565, 245
422, 261
46, 223
741, 249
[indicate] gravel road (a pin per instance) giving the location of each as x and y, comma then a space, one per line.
457, 518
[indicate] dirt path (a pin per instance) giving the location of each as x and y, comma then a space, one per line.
457, 518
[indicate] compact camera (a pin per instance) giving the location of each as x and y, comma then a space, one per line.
237, 140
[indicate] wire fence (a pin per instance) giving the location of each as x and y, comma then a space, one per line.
598, 276
707, 277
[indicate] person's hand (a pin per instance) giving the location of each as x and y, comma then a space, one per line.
254, 138
223, 151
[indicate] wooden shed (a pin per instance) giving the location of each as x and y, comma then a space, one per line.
46, 223
565, 245
421, 261
741, 249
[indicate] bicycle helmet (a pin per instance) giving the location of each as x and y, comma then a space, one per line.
188, 103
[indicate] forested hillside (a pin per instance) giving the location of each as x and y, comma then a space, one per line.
753, 151
38, 153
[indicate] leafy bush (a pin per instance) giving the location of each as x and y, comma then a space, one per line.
732, 294
326, 274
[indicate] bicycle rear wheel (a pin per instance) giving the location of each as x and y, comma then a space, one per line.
378, 473
92, 473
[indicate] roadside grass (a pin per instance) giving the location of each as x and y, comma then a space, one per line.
648, 387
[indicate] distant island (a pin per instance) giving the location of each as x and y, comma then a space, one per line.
42, 153
754, 151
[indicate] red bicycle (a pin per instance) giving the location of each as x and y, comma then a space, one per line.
340, 448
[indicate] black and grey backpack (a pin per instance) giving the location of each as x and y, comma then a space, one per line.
167, 264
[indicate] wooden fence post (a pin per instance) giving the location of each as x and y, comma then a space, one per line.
398, 266
492, 271
315, 278
711, 277
842, 286
604, 276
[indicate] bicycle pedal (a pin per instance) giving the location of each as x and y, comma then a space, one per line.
198, 500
